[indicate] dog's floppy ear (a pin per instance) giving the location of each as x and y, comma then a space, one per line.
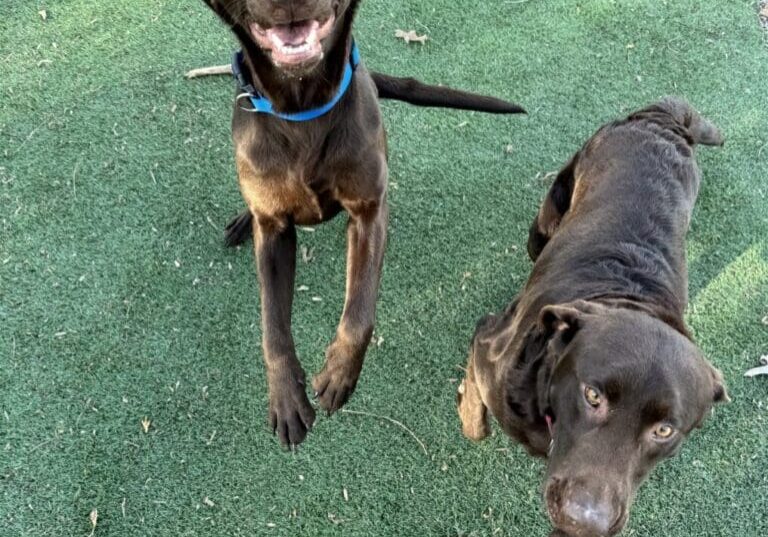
560, 324
218, 8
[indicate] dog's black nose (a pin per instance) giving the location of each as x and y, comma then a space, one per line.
592, 515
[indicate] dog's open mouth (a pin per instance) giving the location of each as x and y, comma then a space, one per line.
294, 44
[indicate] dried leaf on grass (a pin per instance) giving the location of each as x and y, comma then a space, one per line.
145, 423
94, 516
307, 254
410, 36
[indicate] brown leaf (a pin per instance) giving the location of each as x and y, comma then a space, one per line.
411, 35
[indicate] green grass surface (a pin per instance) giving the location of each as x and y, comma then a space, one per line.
119, 301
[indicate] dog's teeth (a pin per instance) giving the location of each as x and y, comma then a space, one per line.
297, 49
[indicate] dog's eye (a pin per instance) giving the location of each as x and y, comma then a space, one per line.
592, 396
663, 432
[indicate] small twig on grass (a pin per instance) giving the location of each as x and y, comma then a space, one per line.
399, 424
74, 179
214, 226
208, 71
41, 444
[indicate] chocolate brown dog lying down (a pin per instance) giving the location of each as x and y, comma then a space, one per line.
592, 365
317, 147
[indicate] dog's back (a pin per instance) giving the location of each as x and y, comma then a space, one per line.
592, 364
614, 222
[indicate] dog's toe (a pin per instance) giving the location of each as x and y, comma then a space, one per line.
336, 382
291, 417
333, 389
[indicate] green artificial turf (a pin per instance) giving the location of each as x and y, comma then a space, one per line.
118, 300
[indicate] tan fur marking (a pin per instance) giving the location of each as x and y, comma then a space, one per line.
277, 197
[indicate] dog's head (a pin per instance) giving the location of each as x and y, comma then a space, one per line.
624, 391
293, 35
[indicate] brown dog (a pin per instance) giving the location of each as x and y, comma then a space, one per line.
298, 54
592, 365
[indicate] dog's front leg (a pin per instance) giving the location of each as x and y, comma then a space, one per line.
472, 411
291, 415
366, 240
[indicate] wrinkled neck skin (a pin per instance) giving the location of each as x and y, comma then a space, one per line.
290, 93
524, 408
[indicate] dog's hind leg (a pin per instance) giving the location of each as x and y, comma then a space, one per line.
555, 205
239, 229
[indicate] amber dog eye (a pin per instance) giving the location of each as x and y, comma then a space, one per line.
663, 431
592, 396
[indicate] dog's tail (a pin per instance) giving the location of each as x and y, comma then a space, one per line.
239, 230
417, 93
701, 130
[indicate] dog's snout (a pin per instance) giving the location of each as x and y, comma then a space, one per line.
583, 509
595, 515
289, 11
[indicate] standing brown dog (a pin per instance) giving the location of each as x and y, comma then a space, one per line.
297, 55
592, 365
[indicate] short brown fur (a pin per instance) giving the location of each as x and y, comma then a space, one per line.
306, 173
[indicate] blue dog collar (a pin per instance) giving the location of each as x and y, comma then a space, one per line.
262, 105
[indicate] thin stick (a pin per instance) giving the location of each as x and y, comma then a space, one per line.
423, 447
41, 444
74, 179
208, 71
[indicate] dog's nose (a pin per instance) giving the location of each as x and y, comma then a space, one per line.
593, 516
582, 507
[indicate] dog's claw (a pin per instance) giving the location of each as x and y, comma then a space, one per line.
336, 382
291, 414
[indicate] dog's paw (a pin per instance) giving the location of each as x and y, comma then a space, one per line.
291, 415
336, 382
472, 412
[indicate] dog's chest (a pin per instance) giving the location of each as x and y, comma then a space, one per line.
288, 193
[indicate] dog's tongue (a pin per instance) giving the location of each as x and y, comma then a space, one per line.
293, 34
